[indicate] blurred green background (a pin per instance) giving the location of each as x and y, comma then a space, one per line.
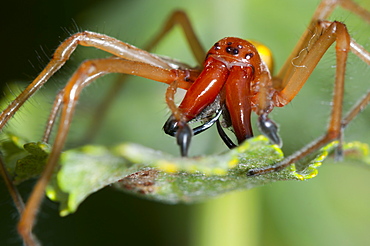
332, 209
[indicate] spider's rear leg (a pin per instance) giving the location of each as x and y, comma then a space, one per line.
331, 32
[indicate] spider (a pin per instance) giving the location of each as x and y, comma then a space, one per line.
234, 81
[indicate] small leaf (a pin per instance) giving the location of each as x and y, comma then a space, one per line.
159, 176
12, 150
23, 160
31, 165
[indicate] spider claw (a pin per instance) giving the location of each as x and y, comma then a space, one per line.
229, 143
183, 137
269, 129
182, 132
338, 153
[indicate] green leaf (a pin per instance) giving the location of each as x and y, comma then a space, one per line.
31, 165
12, 150
159, 176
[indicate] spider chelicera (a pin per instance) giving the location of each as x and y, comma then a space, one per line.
234, 81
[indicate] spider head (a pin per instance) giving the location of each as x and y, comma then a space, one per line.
235, 51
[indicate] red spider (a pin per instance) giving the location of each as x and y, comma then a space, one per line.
233, 82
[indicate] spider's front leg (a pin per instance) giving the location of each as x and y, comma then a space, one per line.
66, 101
64, 51
134, 62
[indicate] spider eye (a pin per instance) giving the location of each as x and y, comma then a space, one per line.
231, 50
217, 46
249, 56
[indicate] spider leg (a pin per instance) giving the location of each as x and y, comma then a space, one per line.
191, 75
360, 51
18, 201
322, 12
53, 116
64, 51
87, 72
333, 31
356, 109
179, 18
291, 77
176, 125
267, 126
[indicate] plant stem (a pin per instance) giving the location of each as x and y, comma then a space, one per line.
230, 220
